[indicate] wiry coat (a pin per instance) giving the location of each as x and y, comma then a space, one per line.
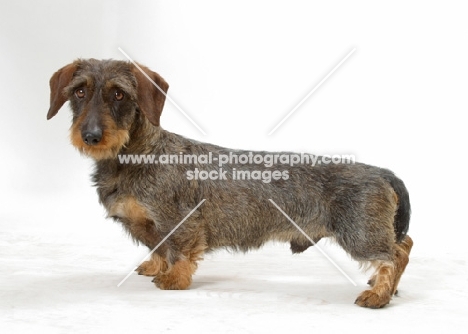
116, 112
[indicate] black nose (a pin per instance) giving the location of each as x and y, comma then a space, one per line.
92, 137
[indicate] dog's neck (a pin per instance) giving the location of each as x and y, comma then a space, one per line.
143, 136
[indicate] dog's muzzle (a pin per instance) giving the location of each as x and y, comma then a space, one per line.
91, 130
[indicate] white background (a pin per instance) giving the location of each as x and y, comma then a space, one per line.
237, 68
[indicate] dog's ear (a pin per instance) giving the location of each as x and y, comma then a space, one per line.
152, 89
58, 82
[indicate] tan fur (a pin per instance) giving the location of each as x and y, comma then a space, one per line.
178, 277
152, 267
385, 280
113, 139
135, 218
128, 207
402, 251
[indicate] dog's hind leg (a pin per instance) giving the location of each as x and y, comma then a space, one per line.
401, 259
384, 281
365, 226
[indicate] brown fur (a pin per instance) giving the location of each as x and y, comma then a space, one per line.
385, 280
112, 141
116, 111
153, 266
179, 277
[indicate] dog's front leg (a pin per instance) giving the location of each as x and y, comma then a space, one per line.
184, 249
175, 248
140, 224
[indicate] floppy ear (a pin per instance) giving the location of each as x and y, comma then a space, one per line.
58, 82
151, 91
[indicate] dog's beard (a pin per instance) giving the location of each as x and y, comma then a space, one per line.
108, 148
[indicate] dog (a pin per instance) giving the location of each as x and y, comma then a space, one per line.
116, 109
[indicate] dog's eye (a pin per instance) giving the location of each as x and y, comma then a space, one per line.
80, 93
119, 95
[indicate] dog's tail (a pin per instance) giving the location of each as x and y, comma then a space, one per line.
402, 216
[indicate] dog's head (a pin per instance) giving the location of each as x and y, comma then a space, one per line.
107, 97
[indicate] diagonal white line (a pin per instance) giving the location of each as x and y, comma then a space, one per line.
312, 241
312, 91
165, 238
167, 96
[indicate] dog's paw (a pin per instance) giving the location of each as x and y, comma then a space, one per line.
371, 299
172, 282
148, 268
178, 277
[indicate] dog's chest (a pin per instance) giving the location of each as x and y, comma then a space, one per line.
114, 188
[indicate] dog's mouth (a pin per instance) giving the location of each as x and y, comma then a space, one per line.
99, 146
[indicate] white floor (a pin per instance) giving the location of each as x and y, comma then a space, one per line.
61, 277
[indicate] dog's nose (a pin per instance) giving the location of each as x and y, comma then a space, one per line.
92, 137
